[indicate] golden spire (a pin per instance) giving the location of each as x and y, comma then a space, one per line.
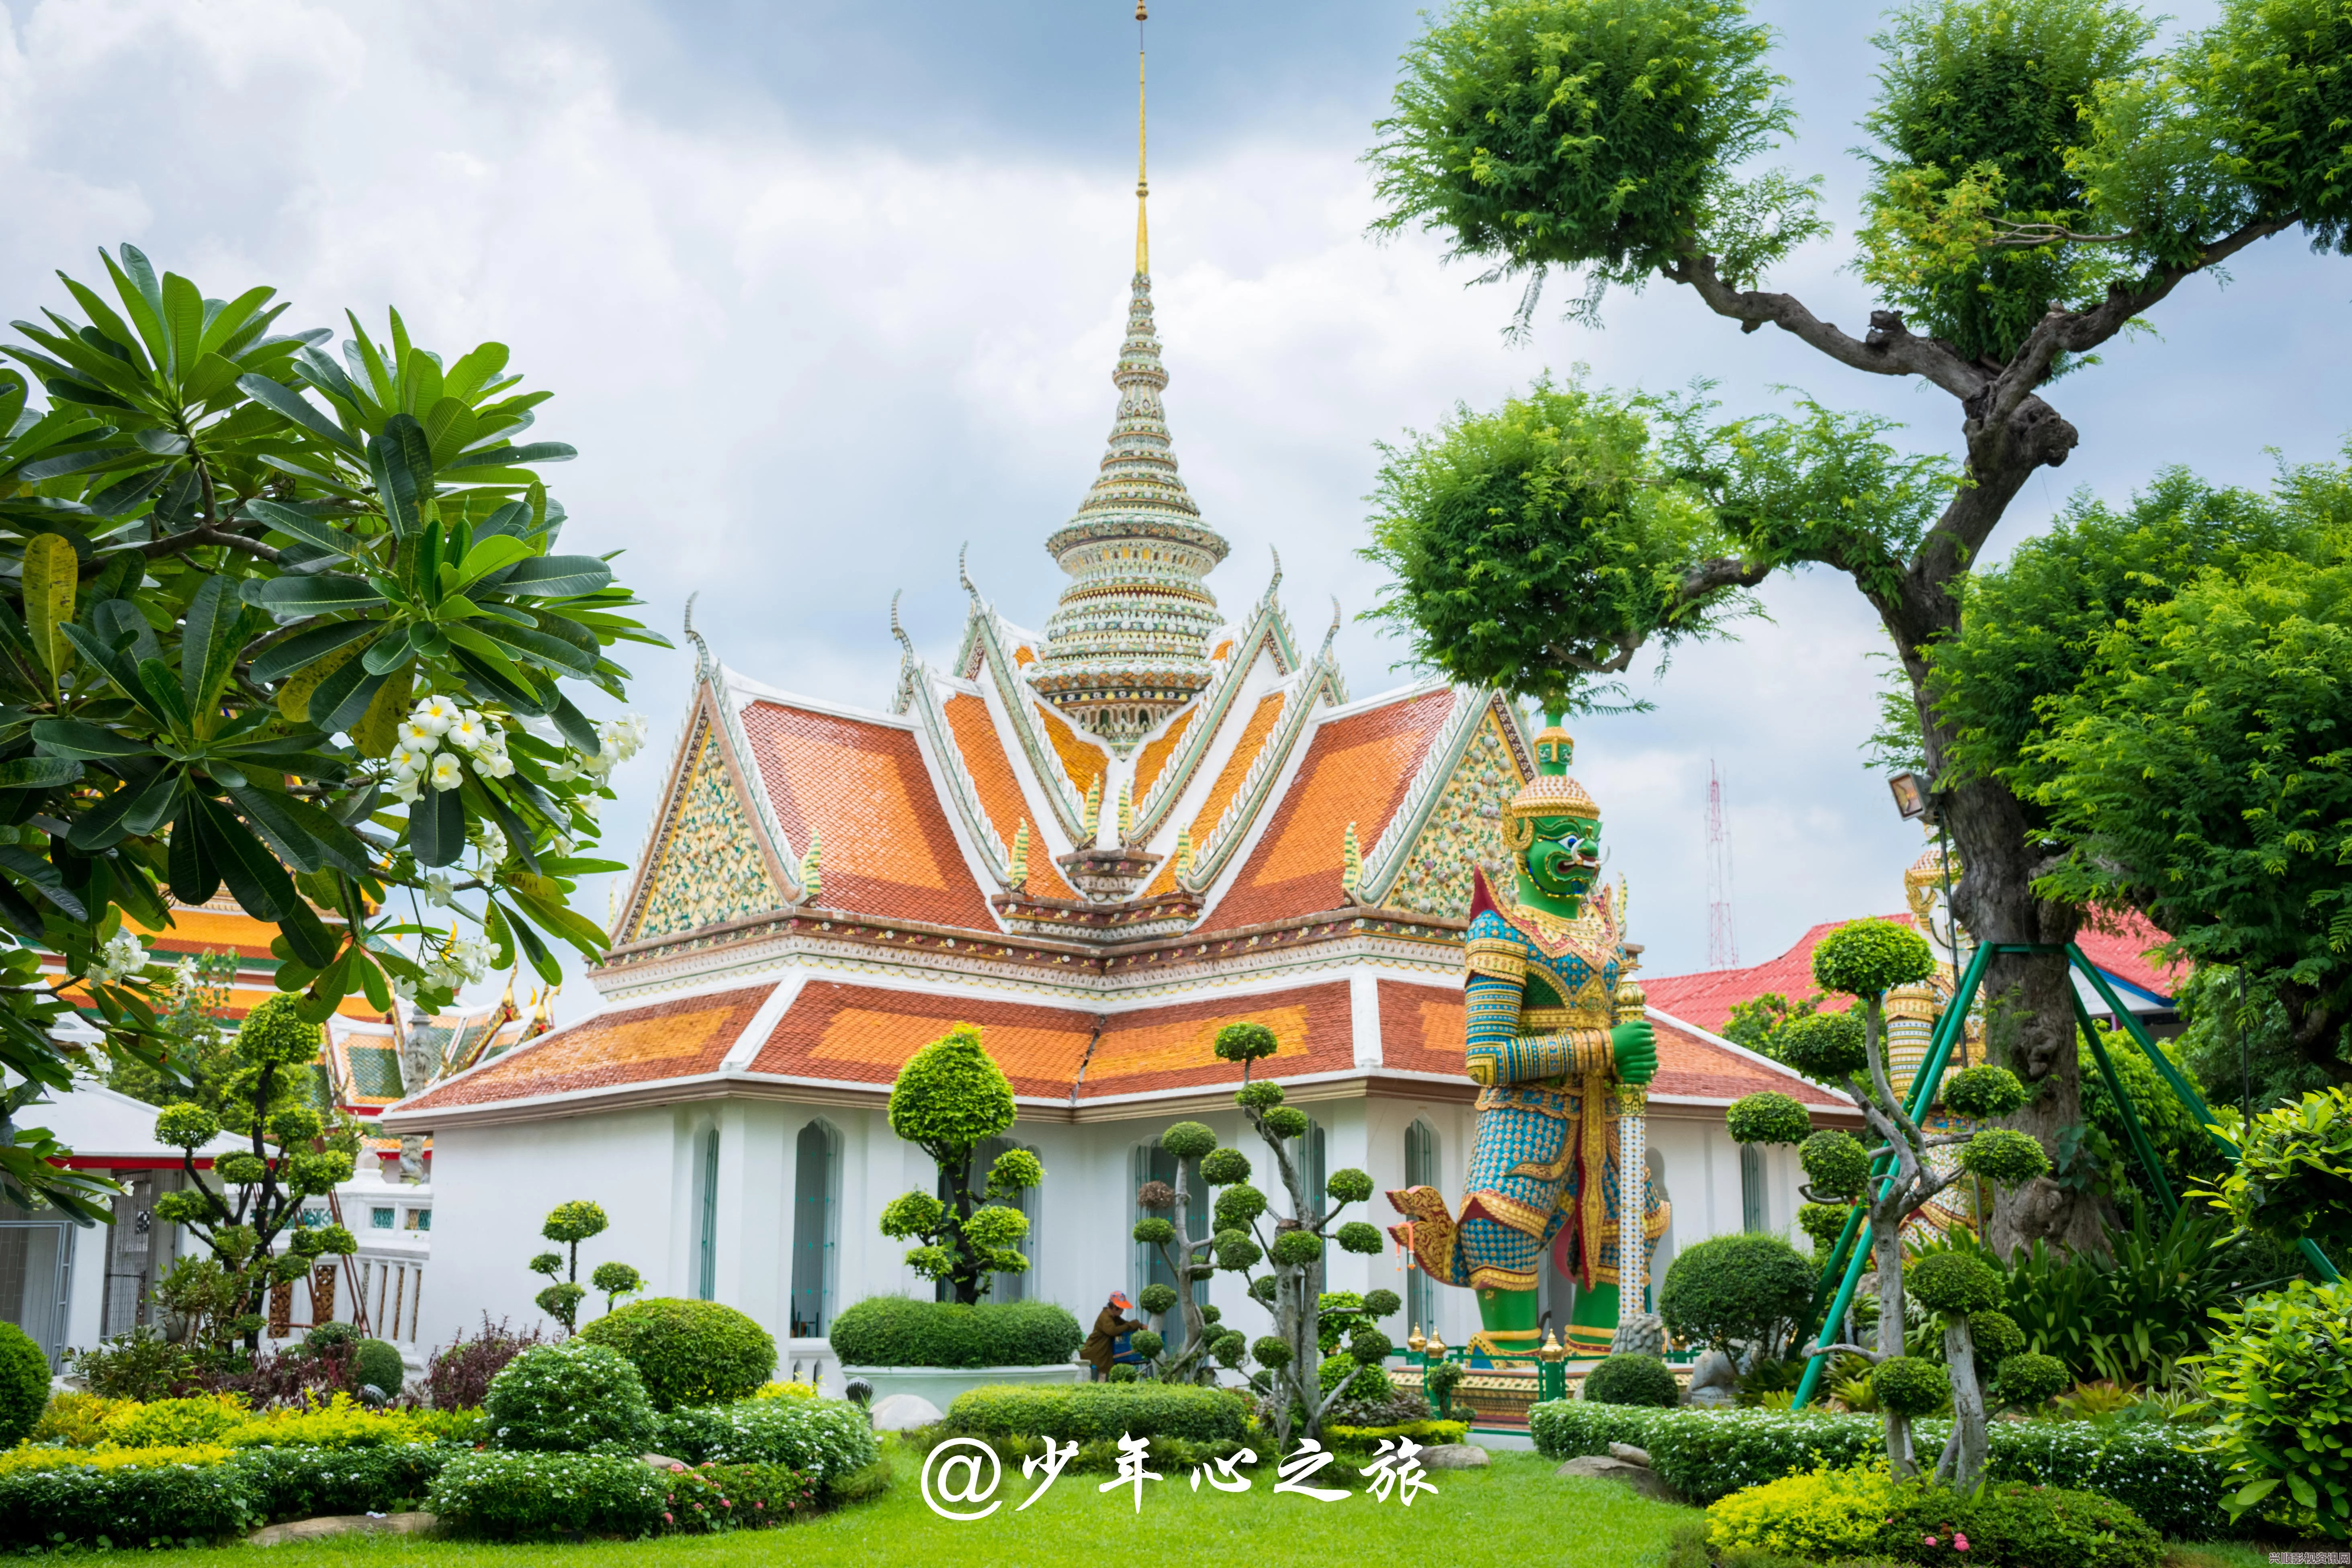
1143, 185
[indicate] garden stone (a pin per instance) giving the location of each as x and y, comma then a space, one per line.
904, 1412
662, 1462
1713, 1381
1631, 1454
343, 1524
1641, 1478
1455, 1456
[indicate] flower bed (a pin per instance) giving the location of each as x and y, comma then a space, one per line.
1829, 1514
535, 1496
1705, 1454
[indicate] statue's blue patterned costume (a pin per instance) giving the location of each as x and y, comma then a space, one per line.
1540, 1003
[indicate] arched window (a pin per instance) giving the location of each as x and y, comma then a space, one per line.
1150, 1163
705, 1229
1009, 1287
1420, 1171
816, 1191
1755, 1205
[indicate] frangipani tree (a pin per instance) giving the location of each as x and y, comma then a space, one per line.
949, 1099
1891, 1176
289, 625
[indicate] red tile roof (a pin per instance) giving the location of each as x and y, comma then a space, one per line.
885, 843
676, 1039
1707, 997
1356, 770
1172, 1048
2122, 950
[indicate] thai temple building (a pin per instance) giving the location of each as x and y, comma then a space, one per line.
1100, 841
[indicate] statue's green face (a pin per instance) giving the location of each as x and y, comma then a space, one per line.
1564, 858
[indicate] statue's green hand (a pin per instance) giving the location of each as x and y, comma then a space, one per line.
1636, 1047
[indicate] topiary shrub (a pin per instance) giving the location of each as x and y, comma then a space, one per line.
1768, 1118
1823, 1046
1871, 957
1911, 1385
2028, 1380
2004, 1155
513, 1496
1088, 1412
687, 1353
895, 1331
1631, 1380
1982, 1093
1372, 1382
1737, 1290
1836, 1165
24, 1384
566, 1398
376, 1363
1953, 1283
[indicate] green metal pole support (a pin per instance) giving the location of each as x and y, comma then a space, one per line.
1922, 1094
2141, 1146
2182, 1088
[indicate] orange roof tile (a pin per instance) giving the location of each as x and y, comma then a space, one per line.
676, 1038
1022, 655
2122, 949
863, 790
1172, 1046
1707, 997
999, 792
1154, 757
1227, 785
1082, 760
1357, 771
857, 1034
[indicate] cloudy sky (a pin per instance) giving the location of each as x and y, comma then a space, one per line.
828, 289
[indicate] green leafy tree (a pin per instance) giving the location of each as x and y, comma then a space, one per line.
1758, 1022
568, 1224
2040, 180
949, 1099
255, 1197
289, 625
2236, 1040
201, 1054
1865, 959
1296, 1370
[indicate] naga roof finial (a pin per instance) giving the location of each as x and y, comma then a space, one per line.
1331, 635
896, 629
963, 576
1270, 587
702, 660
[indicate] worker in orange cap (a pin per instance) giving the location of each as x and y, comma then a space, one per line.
1112, 1326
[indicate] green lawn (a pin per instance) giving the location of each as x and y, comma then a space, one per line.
1514, 1515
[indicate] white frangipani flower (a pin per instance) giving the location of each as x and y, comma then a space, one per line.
436, 890
419, 737
407, 760
447, 774
119, 960
436, 714
465, 731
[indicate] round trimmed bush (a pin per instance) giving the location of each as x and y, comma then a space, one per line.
567, 1398
1298, 1248
1224, 1167
328, 1336
895, 1331
1123, 1371
1246, 1042
688, 1353
1629, 1379
1824, 1222
1768, 1118
1146, 1343
1237, 1205
24, 1384
1736, 1289
2029, 1379
1156, 1298
1953, 1283
376, 1363
1982, 1093
1824, 1046
2004, 1156
1997, 1337
1871, 957
1836, 1163
1284, 1121
274, 1034
1911, 1385
1372, 1384
1188, 1140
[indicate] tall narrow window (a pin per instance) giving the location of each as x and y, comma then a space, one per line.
1315, 1161
1153, 1163
706, 1263
1753, 1215
1420, 1171
1008, 1287
816, 1181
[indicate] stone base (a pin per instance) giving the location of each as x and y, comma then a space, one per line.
343, 1524
941, 1384
1642, 1335
1641, 1478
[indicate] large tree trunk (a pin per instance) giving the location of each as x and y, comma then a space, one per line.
1964, 1457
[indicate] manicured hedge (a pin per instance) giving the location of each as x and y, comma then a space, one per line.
126, 1504
302, 1483
823, 1438
1086, 1412
526, 1495
897, 1331
1707, 1454
687, 1353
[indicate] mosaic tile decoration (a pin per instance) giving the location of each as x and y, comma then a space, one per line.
1464, 829
708, 867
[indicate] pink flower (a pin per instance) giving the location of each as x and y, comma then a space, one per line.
1959, 1542
667, 1519
1928, 1540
